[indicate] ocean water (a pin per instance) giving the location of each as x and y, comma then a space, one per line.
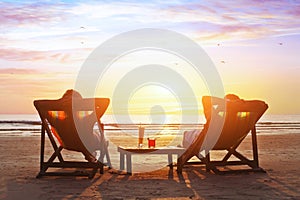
30, 125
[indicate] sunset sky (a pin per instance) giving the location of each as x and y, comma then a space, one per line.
254, 45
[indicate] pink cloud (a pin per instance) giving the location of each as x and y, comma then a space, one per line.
238, 19
18, 71
295, 11
64, 56
235, 28
236, 32
22, 55
20, 14
191, 7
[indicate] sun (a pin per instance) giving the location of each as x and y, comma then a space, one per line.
153, 104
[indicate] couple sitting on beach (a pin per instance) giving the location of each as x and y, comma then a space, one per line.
93, 140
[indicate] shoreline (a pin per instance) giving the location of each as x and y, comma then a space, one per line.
278, 154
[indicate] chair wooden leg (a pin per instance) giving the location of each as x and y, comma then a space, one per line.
179, 165
42, 147
182, 160
207, 160
45, 165
254, 147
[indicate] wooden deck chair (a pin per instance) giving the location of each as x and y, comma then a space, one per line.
69, 125
237, 118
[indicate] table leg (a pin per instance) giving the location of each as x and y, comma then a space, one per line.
170, 160
128, 163
122, 160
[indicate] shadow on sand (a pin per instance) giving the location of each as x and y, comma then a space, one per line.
194, 183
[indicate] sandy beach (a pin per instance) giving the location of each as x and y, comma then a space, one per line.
278, 154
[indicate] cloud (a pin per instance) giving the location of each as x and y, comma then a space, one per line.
21, 55
13, 14
24, 55
237, 20
59, 56
6, 71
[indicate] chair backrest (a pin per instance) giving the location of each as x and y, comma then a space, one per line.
70, 118
240, 116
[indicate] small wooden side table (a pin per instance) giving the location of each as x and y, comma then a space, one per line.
129, 151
